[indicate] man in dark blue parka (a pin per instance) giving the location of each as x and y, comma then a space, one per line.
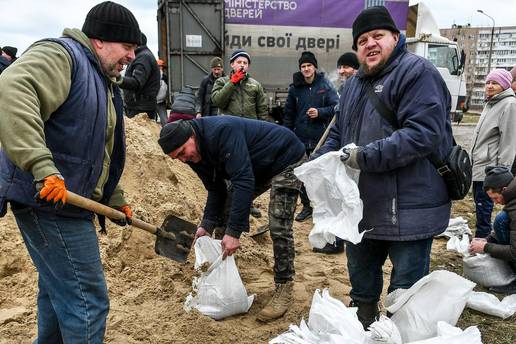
254, 156
308, 111
405, 199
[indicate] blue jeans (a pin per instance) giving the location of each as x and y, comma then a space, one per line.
410, 262
484, 209
502, 231
73, 299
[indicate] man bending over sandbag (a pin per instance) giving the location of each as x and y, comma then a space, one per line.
254, 156
500, 186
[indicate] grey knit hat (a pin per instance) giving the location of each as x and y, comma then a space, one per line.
112, 22
497, 177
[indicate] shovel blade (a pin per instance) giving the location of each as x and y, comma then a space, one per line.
176, 241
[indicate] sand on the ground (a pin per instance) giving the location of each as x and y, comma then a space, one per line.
147, 291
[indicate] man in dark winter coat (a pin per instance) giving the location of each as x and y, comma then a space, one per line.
500, 185
206, 106
405, 199
62, 129
255, 156
141, 83
308, 111
7, 56
347, 66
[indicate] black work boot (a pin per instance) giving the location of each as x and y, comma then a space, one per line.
508, 289
367, 313
304, 214
337, 247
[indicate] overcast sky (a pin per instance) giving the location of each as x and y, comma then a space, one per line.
25, 21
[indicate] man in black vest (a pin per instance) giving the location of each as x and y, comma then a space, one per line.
62, 129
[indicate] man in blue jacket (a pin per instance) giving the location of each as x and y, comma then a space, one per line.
405, 199
255, 156
308, 111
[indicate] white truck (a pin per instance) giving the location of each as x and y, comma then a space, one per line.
424, 39
275, 32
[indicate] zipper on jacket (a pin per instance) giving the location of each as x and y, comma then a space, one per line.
394, 218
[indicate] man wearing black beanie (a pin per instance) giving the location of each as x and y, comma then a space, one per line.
396, 111
309, 109
62, 129
254, 156
347, 66
500, 186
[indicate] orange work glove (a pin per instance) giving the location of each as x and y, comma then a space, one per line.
53, 189
128, 215
237, 76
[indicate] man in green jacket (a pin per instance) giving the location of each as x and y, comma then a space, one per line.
238, 94
61, 128
500, 186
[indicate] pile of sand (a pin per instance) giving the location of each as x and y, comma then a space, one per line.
147, 291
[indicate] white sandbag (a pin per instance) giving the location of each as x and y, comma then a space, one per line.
489, 304
448, 334
330, 316
439, 296
383, 331
218, 292
337, 207
296, 335
459, 245
488, 271
456, 227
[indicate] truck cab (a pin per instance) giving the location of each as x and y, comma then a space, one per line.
424, 39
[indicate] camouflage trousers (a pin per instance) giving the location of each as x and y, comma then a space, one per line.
284, 190
282, 205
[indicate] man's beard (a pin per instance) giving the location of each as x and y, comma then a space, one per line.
374, 70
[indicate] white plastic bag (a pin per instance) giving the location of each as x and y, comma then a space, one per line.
439, 296
330, 316
335, 199
456, 227
489, 304
459, 245
383, 331
329, 322
488, 271
448, 334
218, 291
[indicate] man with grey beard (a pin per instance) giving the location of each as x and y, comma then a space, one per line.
405, 199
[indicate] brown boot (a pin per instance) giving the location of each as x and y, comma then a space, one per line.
279, 303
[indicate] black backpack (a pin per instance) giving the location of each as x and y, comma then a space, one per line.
455, 168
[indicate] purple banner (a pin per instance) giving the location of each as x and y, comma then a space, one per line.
316, 13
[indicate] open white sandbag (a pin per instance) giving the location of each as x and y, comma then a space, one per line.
333, 192
439, 296
218, 292
489, 304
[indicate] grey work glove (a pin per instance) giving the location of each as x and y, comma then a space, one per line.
349, 157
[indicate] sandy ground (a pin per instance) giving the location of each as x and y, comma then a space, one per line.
147, 291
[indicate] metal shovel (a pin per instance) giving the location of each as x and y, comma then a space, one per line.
173, 239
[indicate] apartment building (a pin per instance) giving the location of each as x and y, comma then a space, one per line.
475, 42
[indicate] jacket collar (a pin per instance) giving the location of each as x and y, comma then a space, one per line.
510, 193
502, 95
299, 80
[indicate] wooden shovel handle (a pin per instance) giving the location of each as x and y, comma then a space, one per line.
101, 209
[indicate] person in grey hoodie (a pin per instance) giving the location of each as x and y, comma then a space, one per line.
494, 142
